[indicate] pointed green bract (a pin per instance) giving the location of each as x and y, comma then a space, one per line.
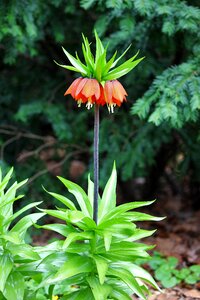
99, 67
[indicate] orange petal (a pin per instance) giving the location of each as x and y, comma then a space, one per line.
118, 91
96, 89
80, 87
116, 101
89, 88
120, 86
101, 99
108, 92
71, 90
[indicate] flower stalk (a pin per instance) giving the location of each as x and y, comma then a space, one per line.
96, 163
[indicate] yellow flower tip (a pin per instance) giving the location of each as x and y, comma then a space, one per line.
89, 105
55, 298
79, 102
111, 107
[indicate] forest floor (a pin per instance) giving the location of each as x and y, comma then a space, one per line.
178, 235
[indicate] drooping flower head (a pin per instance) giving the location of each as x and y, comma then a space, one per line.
98, 83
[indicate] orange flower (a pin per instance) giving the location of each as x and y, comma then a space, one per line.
90, 91
85, 90
114, 94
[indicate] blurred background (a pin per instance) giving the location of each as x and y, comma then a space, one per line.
154, 137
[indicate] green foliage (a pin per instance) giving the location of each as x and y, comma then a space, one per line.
173, 98
95, 261
87, 261
166, 84
166, 271
13, 249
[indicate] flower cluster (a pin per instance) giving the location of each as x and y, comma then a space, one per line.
90, 91
98, 83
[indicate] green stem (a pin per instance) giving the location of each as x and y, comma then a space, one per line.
96, 162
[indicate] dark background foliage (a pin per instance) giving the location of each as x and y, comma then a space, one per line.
154, 137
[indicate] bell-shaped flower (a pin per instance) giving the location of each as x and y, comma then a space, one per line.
99, 84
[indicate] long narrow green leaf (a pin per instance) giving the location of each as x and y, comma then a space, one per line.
56, 213
30, 268
99, 48
10, 195
76, 265
6, 179
21, 211
64, 200
119, 294
120, 57
26, 222
23, 251
122, 230
108, 201
127, 278
109, 64
140, 234
102, 267
90, 191
77, 64
99, 66
80, 195
83, 294
4, 203
107, 237
14, 187
122, 70
139, 272
63, 229
117, 211
137, 216
12, 237
14, 288
68, 67
52, 262
77, 236
99, 291
6, 265
87, 53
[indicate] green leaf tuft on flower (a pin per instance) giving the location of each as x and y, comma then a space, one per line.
99, 67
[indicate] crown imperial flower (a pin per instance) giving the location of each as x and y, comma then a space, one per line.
85, 90
90, 91
98, 84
